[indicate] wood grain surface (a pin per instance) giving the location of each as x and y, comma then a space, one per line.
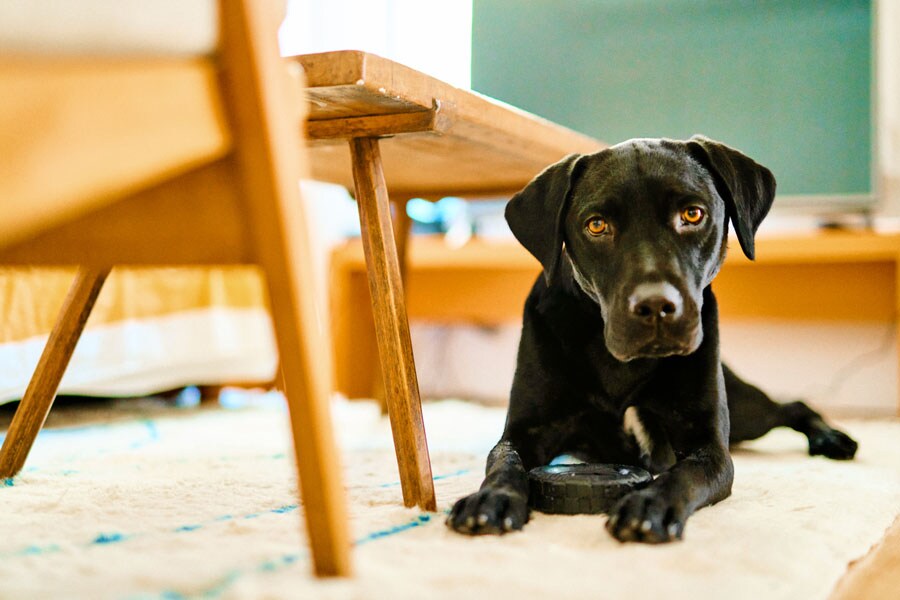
392, 326
77, 133
41, 391
876, 576
483, 148
266, 114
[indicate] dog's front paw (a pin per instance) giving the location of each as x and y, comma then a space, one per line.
832, 443
489, 510
646, 516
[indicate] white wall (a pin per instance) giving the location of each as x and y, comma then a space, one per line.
433, 36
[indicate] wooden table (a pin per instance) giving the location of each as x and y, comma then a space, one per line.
826, 276
376, 126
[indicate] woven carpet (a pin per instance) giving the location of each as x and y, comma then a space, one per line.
201, 503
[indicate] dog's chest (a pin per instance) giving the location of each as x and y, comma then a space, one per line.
650, 440
615, 380
634, 427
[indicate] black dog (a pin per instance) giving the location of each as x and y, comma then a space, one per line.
619, 356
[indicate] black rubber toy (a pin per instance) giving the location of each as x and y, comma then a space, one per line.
583, 488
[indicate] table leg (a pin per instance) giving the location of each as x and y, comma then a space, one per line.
391, 325
41, 391
402, 225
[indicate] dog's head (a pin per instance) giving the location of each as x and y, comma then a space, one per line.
644, 226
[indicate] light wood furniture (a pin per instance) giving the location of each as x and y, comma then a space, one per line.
820, 276
172, 161
382, 129
877, 574
436, 140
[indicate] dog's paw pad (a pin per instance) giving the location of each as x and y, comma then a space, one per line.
645, 516
489, 511
833, 444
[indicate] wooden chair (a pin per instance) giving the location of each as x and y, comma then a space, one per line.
171, 161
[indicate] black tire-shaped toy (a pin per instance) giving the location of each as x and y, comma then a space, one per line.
583, 488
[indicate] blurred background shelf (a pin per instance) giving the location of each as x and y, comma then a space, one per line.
813, 281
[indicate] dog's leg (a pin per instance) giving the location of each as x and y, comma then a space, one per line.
698, 434
658, 513
531, 436
501, 505
753, 414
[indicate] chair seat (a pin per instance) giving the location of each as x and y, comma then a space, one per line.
78, 133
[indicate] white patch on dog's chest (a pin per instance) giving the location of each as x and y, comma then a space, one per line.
633, 427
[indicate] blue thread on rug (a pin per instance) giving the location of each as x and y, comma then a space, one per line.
264, 567
454, 474
272, 565
220, 587
38, 550
111, 538
104, 539
436, 478
150, 429
383, 533
31, 551
254, 515
8, 482
152, 435
63, 472
76, 429
82, 429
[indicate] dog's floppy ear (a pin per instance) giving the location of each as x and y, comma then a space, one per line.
536, 214
747, 188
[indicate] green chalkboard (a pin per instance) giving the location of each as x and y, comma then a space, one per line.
787, 81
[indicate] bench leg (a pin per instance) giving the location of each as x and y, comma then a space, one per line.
391, 326
41, 391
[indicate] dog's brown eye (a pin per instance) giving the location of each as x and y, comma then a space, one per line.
597, 226
692, 215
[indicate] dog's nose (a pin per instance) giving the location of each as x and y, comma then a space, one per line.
655, 302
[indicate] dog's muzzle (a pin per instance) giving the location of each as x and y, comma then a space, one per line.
655, 321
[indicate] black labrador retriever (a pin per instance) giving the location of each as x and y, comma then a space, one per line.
619, 356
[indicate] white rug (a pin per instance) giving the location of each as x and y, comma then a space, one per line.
201, 504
